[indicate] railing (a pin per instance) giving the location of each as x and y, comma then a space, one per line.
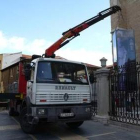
124, 85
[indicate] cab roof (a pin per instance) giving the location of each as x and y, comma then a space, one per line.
56, 60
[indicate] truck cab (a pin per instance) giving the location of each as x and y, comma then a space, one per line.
57, 90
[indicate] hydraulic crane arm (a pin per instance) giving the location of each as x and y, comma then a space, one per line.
74, 32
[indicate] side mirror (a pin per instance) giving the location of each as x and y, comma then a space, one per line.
27, 71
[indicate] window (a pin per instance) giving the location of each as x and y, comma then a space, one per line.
11, 73
61, 72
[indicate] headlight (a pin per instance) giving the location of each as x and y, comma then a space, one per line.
41, 111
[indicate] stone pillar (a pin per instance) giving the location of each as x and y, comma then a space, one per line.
102, 94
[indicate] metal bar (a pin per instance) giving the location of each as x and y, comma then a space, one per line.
10, 96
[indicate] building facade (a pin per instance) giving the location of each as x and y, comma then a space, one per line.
128, 18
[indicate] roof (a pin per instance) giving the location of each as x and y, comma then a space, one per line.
109, 66
26, 56
93, 66
56, 60
59, 57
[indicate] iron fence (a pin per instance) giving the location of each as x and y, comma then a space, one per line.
124, 85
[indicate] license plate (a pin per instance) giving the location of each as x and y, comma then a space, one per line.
66, 114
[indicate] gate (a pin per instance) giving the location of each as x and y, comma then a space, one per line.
124, 86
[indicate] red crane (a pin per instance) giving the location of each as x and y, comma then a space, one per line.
74, 32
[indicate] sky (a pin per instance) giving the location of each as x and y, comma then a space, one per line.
31, 26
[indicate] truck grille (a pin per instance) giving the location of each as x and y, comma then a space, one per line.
45, 94
59, 98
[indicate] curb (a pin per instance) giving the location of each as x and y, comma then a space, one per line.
125, 126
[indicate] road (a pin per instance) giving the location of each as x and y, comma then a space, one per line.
90, 130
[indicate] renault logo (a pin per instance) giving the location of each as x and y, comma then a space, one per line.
66, 96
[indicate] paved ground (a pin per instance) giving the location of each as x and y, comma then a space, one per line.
90, 130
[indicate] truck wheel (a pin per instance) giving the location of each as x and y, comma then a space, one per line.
74, 124
25, 125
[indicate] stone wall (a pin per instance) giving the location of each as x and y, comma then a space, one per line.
129, 18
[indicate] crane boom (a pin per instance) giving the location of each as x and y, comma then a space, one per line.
74, 32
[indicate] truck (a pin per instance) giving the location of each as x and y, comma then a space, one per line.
52, 90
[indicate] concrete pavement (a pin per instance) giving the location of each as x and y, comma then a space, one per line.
90, 130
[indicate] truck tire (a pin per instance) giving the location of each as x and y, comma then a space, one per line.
25, 125
74, 124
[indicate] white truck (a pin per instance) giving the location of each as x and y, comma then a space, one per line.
58, 90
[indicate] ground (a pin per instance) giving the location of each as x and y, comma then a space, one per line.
90, 130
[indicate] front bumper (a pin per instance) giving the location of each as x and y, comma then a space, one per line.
62, 113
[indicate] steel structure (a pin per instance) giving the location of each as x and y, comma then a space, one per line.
74, 32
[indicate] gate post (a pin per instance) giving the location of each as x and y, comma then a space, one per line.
102, 94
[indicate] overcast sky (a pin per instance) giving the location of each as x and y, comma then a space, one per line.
31, 26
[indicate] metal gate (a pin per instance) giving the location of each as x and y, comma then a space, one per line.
124, 85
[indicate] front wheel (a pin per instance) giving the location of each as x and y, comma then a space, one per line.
74, 124
25, 125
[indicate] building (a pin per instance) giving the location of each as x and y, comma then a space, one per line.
128, 18
9, 62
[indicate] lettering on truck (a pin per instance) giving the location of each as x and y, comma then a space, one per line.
65, 87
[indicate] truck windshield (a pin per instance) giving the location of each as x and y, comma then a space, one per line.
61, 72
